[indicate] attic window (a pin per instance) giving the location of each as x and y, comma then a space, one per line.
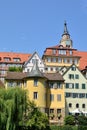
73, 68
7, 59
62, 52
70, 52
16, 59
54, 51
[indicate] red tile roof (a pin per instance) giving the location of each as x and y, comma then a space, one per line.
76, 53
22, 56
49, 52
83, 59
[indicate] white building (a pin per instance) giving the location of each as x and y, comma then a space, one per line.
27, 67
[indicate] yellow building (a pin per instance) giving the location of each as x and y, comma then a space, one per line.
46, 90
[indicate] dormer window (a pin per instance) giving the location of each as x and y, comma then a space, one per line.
54, 51
62, 52
16, 59
7, 59
70, 52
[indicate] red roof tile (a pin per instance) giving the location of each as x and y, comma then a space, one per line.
83, 59
22, 56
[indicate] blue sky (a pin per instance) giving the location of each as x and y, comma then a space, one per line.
32, 25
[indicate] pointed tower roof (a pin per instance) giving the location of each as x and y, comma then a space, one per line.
65, 29
65, 40
35, 72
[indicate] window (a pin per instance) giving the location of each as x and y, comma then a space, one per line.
59, 85
68, 95
76, 85
69, 85
71, 76
51, 110
75, 95
51, 85
59, 60
10, 84
46, 69
7, 59
83, 105
73, 68
77, 105
54, 51
49, 59
54, 59
65, 60
70, 52
35, 82
55, 85
70, 60
70, 105
76, 76
58, 111
58, 97
51, 69
35, 95
83, 86
51, 97
76, 61
62, 52
82, 95
16, 59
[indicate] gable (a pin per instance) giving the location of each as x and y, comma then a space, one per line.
73, 74
30, 61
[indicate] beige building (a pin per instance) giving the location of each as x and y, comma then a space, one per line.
75, 90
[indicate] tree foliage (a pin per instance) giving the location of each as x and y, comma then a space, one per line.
15, 69
16, 110
82, 120
69, 120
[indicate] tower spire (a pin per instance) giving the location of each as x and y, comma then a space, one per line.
66, 41
65, 29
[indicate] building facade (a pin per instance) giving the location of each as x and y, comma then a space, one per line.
46, 90
62, 54
11, 59
75, 90
27, 67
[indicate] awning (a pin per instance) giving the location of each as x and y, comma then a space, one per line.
76, 111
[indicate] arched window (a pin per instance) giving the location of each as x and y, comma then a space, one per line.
77, 105
83, 105
70, 104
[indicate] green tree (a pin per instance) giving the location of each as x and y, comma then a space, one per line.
37, 120
15, 69
82, 120
16, 110
69, 120
12, 103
